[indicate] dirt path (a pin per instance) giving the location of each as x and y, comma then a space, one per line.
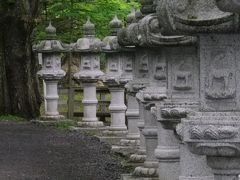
28, 152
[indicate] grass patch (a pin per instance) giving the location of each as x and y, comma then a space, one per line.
64, 125
13, 118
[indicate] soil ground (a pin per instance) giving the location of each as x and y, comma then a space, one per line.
30, 152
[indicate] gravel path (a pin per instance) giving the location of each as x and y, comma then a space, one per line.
29, 152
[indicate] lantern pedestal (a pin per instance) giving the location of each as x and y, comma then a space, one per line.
90, 106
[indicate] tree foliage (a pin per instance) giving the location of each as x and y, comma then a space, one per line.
69, 16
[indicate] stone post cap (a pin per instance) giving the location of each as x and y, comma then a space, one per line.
51, 44
88, 43
89, 28
51, 31
110, 43
131, 17
115, 25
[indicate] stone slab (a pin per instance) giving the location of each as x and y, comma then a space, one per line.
124, 150
110, 139
130, 177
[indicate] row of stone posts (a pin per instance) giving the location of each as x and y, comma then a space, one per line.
179, 63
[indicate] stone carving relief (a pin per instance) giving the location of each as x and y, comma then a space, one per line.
58, 63
144, 66
48, 64
183, 76
183, 71
212, 132
113, 66
160, 71
86, 64
96, 64
51, 67
174, 112
221, 78
128, 65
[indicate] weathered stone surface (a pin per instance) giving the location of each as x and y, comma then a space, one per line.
219, 86
215, 135
178, 17
229, 5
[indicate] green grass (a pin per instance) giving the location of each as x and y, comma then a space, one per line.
64, 125
13, 118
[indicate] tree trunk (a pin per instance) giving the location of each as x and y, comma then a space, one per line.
19, 92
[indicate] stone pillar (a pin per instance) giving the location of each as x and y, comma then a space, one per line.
167, 151
117, 109
140, 155
132, 115
90, 104
147, 99
140, 81
51, 98
51, 71
89, 49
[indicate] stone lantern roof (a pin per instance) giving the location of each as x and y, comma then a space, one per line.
131, 18
88, 43
199, 17
115, 25
229, 5
51, 44
110, 43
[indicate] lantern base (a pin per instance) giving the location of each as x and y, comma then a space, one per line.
90, 124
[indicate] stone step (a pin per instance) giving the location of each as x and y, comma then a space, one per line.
130, 177
216, 114
113, 140
124, 150
217, 118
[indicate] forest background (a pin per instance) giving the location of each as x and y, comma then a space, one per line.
23, 22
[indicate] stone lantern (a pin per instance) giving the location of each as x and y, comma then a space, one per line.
211, 132
119, 72
51, 71
89, 49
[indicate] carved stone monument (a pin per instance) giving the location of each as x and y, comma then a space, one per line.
119, 72
217, 86
51, 71
89, 49
133, 137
